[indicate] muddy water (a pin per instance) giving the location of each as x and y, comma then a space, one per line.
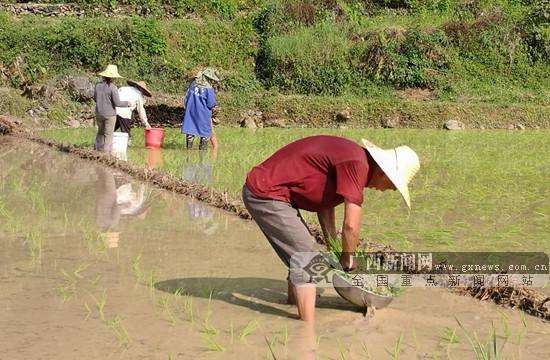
92, 261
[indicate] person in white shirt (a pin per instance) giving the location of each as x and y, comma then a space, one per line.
135, 92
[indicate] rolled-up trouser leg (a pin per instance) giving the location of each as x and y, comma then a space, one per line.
285, 230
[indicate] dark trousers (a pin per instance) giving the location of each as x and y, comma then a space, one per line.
124, 125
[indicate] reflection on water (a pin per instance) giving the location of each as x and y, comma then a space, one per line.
198, 170
155, 158
116, 197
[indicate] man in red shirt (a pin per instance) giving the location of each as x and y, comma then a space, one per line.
316, 174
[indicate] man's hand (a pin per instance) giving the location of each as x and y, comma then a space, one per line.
147, 127
347, 262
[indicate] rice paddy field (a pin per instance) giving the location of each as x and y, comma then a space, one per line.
96, 264
476, 190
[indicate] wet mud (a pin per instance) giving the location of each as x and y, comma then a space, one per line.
96, 264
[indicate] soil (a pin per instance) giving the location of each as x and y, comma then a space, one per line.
223, 265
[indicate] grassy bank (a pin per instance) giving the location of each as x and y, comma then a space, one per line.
481, 190
485, 62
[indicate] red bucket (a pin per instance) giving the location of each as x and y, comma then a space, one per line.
154, 138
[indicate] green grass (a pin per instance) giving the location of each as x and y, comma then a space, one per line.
477, 190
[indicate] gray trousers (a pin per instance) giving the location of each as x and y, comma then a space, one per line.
105, 129
285, 230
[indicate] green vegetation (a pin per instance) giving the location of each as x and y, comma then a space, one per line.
483, 62
481, 190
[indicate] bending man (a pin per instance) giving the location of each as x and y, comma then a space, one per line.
316, 174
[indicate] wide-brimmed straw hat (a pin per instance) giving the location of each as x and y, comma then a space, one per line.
141, 85
399, 164
111, 71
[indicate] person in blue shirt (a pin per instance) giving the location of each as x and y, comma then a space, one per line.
199, 102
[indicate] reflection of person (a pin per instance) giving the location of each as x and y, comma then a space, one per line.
135, 92
199, 102
107, 210
200, 173
132, 203
106, 99
316, 174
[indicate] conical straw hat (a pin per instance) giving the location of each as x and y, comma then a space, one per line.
111, 71
399, 164
141, 85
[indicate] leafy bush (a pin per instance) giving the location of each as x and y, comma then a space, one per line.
309, 61
404, 58
536, 31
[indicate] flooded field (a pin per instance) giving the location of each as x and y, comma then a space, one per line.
477, 190
97, 265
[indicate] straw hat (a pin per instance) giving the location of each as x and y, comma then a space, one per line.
211, 73
399, 164
141, 85
111, 71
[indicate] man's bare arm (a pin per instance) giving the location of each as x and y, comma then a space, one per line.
328, 223
350, 233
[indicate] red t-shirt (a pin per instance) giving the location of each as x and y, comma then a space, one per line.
313, 173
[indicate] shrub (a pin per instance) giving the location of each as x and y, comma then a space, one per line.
405, 58
309, 61
536, 31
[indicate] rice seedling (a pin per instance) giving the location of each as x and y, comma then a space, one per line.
164, 303
100, 305
188, 309
284, 336
342, 350
365, 350
88, 311
95, 281
34, 242
270, 346
206, 327
248, 329
483, 351
318, 340
522, 330
116, 326
449, 336
66, 292
212, 344
136, 267
151, 280
505, 325
397, 348
231, 332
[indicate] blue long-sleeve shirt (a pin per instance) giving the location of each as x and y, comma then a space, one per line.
199, 102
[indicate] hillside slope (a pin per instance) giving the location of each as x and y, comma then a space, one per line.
413, 63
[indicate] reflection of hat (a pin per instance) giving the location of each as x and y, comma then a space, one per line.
141, 85
399, 164
111, 71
